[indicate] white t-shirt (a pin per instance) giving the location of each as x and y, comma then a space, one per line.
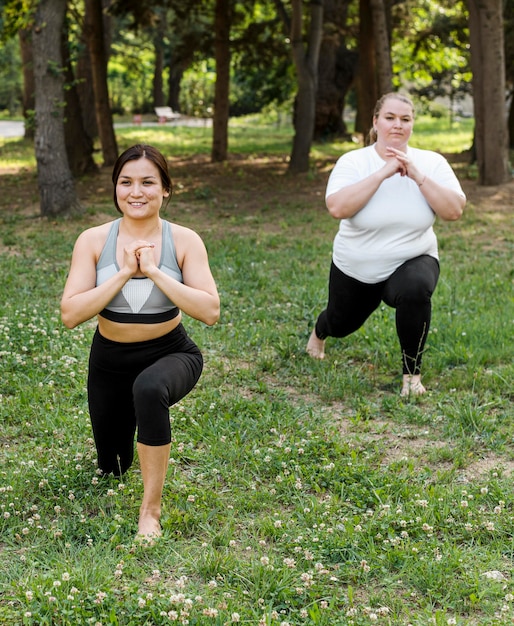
396, 224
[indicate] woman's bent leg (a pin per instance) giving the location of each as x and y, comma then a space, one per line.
350, 303
154, 466
409, 290
158, 387
111, 410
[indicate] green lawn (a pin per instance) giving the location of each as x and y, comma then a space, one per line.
299, 492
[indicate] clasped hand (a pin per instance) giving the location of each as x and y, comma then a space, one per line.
139, 256
404, 166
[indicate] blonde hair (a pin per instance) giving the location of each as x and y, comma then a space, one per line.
372, 135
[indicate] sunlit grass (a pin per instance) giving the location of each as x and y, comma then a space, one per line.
299, 492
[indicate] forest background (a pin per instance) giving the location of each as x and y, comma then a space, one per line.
299, 493
82, 61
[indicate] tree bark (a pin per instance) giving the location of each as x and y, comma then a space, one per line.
488, 67
85, 90
79, 145
159, 99
382, 47
222, 21
336, 71
306, 65
94, 34
55, 181
366, 81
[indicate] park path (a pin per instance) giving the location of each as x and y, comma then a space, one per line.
10, 128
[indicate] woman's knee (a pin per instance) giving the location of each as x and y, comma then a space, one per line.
149, 388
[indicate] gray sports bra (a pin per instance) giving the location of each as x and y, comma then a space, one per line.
140, 301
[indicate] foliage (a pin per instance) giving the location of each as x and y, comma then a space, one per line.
431, 49
299, 492
10, 78
430, 52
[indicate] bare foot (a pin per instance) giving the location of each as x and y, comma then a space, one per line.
412, 386
149, 528
315, 346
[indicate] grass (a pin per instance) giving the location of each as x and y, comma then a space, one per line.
298, 492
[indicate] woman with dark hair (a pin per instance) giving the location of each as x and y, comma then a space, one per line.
387, 196
137, 274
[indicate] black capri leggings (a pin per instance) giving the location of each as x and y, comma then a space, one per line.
408, 290
132, 385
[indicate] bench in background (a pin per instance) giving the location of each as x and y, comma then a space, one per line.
166, 114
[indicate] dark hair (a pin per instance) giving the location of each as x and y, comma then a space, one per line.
142, 151
372, 136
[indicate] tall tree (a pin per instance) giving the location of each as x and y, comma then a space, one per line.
305, 58
159, 99
79, 144
94, 35
336, 71
222, 21
366, 85
382, 38
489, 93
55, 181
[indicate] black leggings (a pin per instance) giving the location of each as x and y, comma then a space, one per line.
132, 385
408, 290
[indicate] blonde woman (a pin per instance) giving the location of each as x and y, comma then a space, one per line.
387, 196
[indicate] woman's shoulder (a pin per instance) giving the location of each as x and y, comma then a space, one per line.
95, 235
363, 153
427, 155
182, 232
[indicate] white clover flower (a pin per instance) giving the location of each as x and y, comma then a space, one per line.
210, 612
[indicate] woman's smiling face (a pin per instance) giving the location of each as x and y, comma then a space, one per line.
139, 189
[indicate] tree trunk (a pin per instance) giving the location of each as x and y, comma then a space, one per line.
221, 92
306, 65
488, 67
174, 79
27, 62
79, 145
158, 85
159, 99
382, 47
366, 81
94, 34
336, 70
56, 188
85, 90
